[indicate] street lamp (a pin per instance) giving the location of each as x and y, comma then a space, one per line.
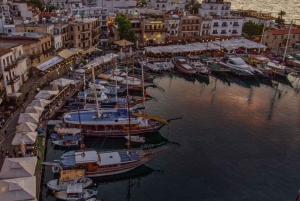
288, 38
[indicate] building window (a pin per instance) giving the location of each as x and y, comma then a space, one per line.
78, 28
282, 37
78, 36
71, 28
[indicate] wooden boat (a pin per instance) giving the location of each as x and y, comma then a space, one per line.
278, 69
137, 139
65, 143
75, 192
99, 164
182, 66
69, 177
67, 134
291, 61
259, 62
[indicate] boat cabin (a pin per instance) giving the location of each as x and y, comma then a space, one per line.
74, 191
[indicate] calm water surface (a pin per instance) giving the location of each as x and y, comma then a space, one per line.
238, 140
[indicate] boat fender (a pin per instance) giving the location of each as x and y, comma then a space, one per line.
82, 146
83, 154
127, 143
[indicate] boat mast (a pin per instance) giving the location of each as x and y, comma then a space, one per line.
116, 82
95, 90
287, 41
143, 87
128, 115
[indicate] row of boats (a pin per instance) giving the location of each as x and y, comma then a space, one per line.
120, 120
241, 65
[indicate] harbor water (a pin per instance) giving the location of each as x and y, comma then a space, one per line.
238, 139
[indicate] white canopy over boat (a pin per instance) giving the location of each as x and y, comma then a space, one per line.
26, 138
62, 82
40, 103
18, 167
18, 189
26, 127
46, 94
68, 130
236, 43
80, 70
29, 117
34, 109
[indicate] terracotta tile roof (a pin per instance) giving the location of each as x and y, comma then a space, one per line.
47, 15
284, 31
4, 51
18, 41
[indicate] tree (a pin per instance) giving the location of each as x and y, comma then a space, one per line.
279, 20
252, 29
193, 6
124, 28
281, 14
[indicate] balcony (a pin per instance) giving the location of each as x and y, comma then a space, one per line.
96, 27
21, 58
234, 32
95, 35
14, 80
215, 25
46, 51
68, 40
156, 30
236, 25
35, 54
85, 30
223, 32
85, 39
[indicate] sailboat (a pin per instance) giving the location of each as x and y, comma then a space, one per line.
114, 121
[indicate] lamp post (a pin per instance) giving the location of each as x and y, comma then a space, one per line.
288, 38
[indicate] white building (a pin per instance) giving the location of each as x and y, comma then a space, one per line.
226, 26
90, 11
13, 66
214, 7
173, 23
110, 4
205, 27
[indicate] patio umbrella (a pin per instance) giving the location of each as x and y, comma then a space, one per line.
18, 167
46, 94
54, 86
40, 103
34, 109
26, 127
14, 95
29, 117
62, 82
27, 138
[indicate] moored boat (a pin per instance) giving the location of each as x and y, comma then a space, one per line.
75, 192
68, 177
65, 143
99, 164
137, 139
67, 134
182, 66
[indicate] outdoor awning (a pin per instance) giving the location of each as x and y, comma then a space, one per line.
18, 167
123, 43
88, 51
26, 127
48, 64
76, 50
65, 54
29, 117
18, 189
26, 138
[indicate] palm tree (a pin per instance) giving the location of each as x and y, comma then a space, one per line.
281, 14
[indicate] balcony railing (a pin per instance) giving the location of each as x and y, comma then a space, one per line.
14, 80
224, 25
223, 32
85, 30
21, 58
234, 32
85, 39
236, 25
216, 25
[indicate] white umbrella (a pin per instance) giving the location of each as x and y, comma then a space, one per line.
45, 94
26, 127
27, 138
34, 109
80, 70
29, 117
18, 167
14, 95
62, 82
40, 103
18, 189
54, 86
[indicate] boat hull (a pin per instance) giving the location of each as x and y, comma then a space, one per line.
237, 71
87, 193
52, 185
